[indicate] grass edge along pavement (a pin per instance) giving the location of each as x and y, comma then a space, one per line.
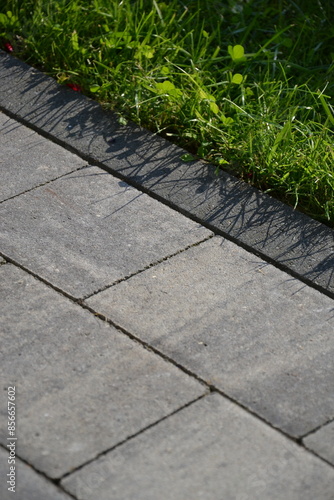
245, 86
289, 239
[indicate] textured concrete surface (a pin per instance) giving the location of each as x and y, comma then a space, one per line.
228, 206
322, 442
87, 230
30, 485
244, 326
37, 160
210, 450
82, 386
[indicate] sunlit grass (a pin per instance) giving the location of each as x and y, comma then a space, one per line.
244, 85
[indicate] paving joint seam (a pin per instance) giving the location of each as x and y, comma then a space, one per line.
80, 302
44, 183
148, 347
210, 387
313, 431
94, 162
55, 482
110, 285
132, 436
309, 450
149, 266
39, 278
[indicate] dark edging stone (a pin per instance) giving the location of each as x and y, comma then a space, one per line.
289, 239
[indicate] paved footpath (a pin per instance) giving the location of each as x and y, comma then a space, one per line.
161, 347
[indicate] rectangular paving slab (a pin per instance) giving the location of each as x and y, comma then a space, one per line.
28, 159
249, 329
209, 450
82, 386
87, 230
29, 484
322, 442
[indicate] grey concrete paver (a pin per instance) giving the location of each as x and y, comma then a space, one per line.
28, 159
29, 484
87, 230
210, 450
82, 386
244, 326
322, 442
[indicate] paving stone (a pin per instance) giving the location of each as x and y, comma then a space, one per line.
28, 159
87, 230
29, 484
209, 450
228, 206
82, 386
322, 442
249, 329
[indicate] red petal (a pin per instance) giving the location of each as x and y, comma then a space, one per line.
8, 47
74, 86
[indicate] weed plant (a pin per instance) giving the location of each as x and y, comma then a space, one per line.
244, 84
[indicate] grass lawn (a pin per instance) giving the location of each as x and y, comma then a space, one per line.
244, 84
